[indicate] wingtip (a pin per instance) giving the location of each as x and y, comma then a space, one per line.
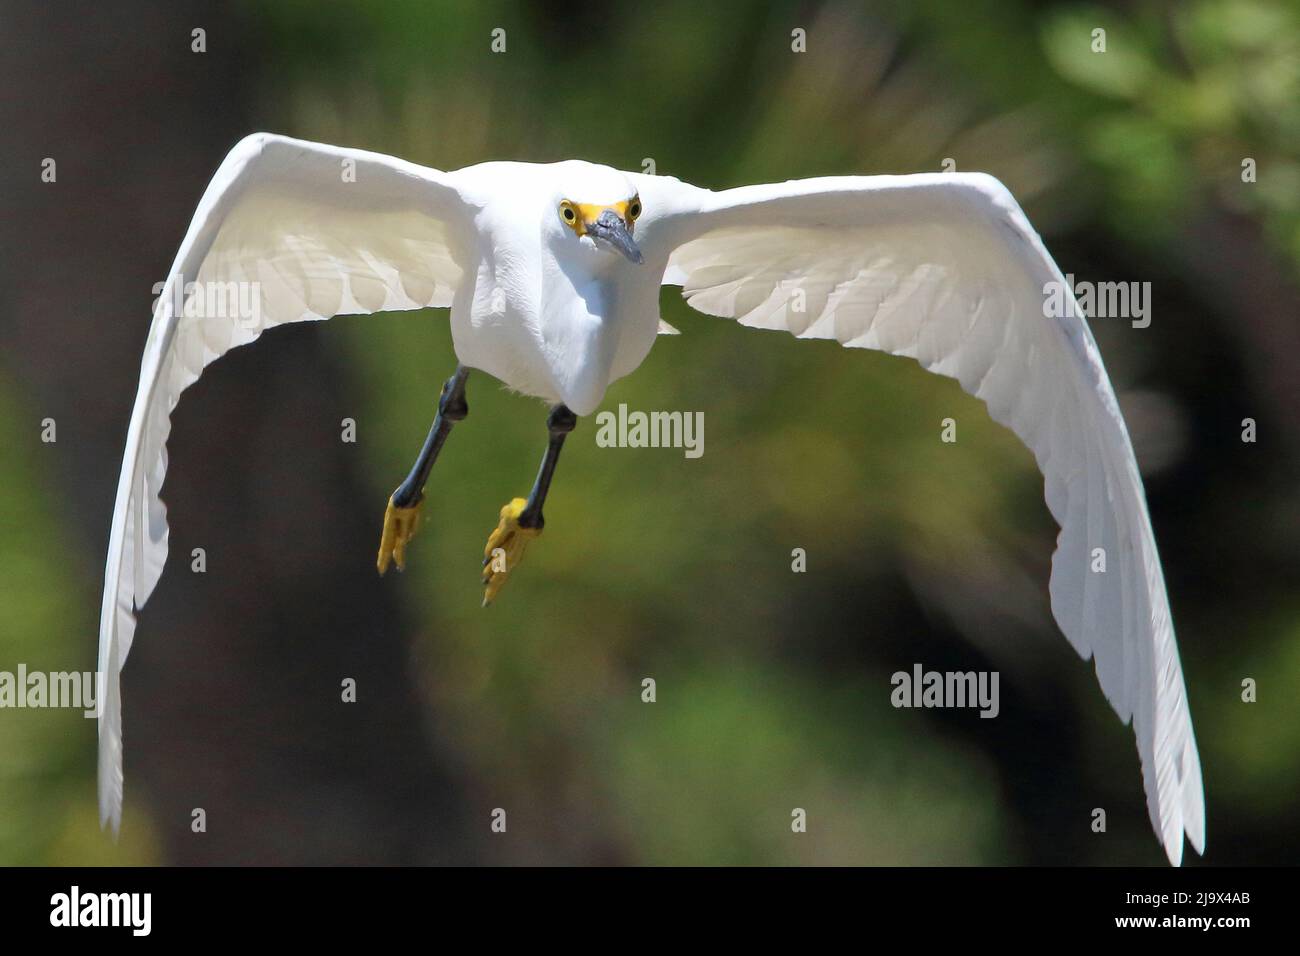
1187, 821
1194, 826
1174, 851
1193, 794
111, 782
110, 810
111, 820
1174, 846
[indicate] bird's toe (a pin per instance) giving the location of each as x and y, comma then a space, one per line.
505, 548
400, 525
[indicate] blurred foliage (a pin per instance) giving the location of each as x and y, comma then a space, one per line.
773, 687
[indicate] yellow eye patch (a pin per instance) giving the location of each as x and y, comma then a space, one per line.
577, 215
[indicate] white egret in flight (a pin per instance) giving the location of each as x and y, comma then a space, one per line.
552, 274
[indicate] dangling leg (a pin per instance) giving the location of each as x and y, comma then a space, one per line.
521, 520
402, 517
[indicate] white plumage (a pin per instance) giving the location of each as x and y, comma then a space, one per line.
943, 268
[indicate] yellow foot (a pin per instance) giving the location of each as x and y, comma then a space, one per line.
400, 525
505, 549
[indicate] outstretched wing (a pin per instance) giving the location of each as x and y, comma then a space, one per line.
287, 231
946, 269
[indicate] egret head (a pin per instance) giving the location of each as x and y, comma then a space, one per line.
598, 205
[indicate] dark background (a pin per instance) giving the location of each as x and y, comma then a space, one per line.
773, 687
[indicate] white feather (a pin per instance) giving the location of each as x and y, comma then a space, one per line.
324, 231
946, 269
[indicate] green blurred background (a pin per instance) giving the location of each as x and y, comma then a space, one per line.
773, 687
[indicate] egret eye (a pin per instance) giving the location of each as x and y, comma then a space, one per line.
634, 210
568, 213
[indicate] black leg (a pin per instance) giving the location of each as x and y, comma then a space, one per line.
559, 423
452, 408
402, 517
521, 520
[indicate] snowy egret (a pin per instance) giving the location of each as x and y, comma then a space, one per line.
552, 274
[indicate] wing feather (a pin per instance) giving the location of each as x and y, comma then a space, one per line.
287, 231
946, 269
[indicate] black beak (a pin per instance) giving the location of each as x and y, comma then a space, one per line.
610, 228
